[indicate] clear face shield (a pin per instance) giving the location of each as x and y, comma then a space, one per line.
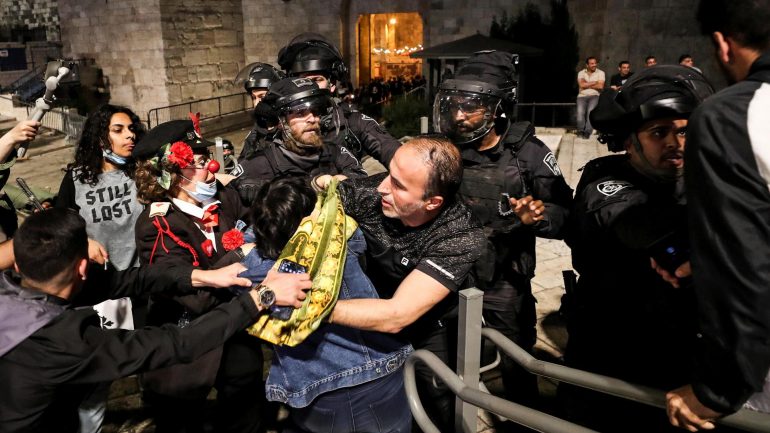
464, 116
302, 117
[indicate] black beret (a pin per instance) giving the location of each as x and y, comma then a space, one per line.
169, 132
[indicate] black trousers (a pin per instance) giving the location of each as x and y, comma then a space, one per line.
436, 398
240, 395
512, 312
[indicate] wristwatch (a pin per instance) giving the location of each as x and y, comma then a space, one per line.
266, 296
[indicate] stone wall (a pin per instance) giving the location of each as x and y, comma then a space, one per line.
159, 52
31, 14
615, 30
268, 25
203, 47
125, 40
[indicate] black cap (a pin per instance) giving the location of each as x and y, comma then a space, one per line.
169, 132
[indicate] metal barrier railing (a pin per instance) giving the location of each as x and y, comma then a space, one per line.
561, 113
36, 73
465, 383
475, 398
209, 108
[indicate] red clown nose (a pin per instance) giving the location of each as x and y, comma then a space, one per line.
213, 166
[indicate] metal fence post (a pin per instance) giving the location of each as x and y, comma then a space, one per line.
468, 355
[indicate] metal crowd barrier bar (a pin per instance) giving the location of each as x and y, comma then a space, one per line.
209, 108
747, 420
465, 383
553, 106
529, 417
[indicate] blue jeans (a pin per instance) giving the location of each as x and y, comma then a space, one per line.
379, 406
585, 104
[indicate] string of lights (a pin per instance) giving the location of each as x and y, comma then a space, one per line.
398, 51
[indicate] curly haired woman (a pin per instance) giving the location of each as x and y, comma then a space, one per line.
99, 185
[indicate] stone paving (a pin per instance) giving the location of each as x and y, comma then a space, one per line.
45, 168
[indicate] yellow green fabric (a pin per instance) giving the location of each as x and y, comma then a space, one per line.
319, 244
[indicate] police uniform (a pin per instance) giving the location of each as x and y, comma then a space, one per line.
363, 136
273, 157
519, 165
272, 160
360, 134
624, 320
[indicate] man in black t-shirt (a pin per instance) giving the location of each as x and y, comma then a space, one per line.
421, 244
624, 73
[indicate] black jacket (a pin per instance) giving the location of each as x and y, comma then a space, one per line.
729, 210
362, 135
624, 320
46, 376
519, 165
155, 250
270, 162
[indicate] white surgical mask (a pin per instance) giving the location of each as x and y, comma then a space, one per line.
204, 191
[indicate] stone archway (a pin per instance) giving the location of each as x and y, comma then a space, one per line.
384, 42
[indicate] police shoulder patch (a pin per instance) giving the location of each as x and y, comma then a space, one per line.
159, 208
610, 187
552, 164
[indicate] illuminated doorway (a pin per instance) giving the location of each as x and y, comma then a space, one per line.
384, 44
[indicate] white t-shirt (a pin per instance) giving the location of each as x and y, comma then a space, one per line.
598, 75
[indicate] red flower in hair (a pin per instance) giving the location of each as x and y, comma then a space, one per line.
232, 239
181, 154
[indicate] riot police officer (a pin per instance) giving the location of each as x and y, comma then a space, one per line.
313, 56
624, 320
298, 148
514, 185
256, 78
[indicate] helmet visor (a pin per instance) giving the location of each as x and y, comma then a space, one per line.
464, 116
320, 107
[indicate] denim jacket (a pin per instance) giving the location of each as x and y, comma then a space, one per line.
333, 356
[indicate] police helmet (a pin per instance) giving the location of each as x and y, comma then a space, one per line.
258, 75
294, 95
654, 93
312, 52
484, 85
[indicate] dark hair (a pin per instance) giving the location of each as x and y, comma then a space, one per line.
148, 189
647, 59
588, 59
743, 20
96, 133
277, 211
445, 164
684, 56
49, 242
623, 62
